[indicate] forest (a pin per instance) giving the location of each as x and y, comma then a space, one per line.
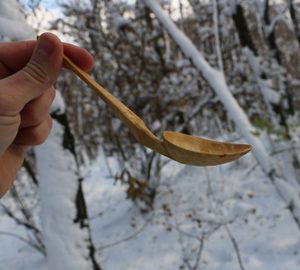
92, 197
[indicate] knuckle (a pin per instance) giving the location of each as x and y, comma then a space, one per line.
34, 116
41, 133
37, 136
47, 128
35, 112
52, 94
49, 123
31, 115
36, 72
10, 120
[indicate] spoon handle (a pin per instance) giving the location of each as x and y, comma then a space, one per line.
128, 117
118, 107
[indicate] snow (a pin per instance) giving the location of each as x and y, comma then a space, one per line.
58, 104
15, 253
192, 205
41, 19
12, 25
120, 22
216, 197
58, 187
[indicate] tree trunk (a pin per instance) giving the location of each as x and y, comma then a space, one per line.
271, 38
252, 55
63, 209
294, 18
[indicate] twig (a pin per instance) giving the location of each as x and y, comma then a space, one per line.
235, 246
250, 170
198, 256
234, 243
27, 222
19, 237
200, 250
30, 171
19, 221
126, 238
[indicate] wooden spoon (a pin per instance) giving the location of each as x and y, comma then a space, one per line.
181, 147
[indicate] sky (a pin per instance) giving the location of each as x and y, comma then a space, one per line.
53, 4
47, 4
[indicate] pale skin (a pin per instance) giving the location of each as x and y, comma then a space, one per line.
28, 71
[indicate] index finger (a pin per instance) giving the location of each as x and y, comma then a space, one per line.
15, 55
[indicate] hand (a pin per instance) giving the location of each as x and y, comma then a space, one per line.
28, 70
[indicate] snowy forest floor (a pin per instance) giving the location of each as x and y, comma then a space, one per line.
219, 218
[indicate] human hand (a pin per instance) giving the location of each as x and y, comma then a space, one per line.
28, 70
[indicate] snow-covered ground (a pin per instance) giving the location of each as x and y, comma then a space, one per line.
225, 217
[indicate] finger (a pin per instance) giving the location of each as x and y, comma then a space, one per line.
34, 135
4, 71
36, 77
81, 57
21, 53
37, 110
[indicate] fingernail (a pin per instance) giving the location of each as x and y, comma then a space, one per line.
44, 46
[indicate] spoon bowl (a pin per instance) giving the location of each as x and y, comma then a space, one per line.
198, 151
181, 147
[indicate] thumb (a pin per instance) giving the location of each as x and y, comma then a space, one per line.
36, 77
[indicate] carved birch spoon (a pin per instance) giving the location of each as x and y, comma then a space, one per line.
181, 147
